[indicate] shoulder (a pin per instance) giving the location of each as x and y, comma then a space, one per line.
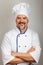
34, 33
10, 33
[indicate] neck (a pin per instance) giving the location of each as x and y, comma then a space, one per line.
23, 30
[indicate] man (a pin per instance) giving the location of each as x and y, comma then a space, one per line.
21, 46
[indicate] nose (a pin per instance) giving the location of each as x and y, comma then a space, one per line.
21, 19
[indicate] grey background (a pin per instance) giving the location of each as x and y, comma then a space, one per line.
36, 21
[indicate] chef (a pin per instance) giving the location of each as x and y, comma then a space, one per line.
21, 46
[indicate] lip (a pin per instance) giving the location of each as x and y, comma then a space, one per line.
21, 23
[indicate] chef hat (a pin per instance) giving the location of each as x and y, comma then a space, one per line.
21, 8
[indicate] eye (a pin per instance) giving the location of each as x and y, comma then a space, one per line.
18, 17
24, 17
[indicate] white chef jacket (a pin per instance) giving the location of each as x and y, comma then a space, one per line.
14, 41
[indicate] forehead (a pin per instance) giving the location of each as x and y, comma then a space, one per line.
21, 15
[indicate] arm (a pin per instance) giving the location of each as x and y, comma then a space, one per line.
16, 61
25, 56
31, 49
19, 60
36, 45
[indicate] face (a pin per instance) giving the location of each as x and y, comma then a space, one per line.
22, 22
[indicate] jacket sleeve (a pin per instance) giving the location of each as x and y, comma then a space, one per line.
6, 50
36, 44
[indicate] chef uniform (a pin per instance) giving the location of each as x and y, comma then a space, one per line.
17, 42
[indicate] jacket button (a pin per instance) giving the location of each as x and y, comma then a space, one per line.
19, 46
25, 46
25, 35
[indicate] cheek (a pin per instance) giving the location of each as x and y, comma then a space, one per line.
26, 23
17, 21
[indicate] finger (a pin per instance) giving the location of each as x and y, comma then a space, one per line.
31, 50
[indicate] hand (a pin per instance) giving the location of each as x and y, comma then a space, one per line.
31, 49
16, 54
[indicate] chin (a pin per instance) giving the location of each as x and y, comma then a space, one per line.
22, 28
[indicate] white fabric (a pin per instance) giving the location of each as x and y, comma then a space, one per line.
6, 50
21, 8
36, 45
25, 42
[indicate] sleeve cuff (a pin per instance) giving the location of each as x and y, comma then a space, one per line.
35, 55
8, 60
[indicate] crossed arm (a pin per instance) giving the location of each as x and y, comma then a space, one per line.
22, 57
